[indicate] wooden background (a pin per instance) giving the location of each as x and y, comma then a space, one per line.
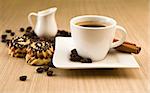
131, 14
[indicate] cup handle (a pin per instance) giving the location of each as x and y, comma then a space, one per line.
30, 19
119, 42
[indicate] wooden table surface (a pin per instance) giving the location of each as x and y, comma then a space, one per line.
131, 14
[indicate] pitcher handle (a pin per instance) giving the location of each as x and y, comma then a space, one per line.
30, 19
119, 42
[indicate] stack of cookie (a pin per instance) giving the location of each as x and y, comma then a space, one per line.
36, 51
17, 46
39, 53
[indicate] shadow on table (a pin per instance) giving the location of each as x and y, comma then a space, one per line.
101, 73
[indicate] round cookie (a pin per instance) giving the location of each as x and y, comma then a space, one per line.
17, 46
39, 53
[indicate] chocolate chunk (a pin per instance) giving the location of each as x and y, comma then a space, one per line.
23, 78
12, 33
38, 44
8, 31
40, 70
86, 60
3, 36
49, 73
21, 29
41, 56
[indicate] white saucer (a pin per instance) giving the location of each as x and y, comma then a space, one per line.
114, 59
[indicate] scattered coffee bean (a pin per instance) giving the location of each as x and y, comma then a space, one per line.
29, 28
21, 29
3, 36
23, 78
45, 68
86, 60
12, 33
49, 73
74, 51
63, 33
73, 55
77, 58
40, 70
8, 31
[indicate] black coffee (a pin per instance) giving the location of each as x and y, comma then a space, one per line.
92, 24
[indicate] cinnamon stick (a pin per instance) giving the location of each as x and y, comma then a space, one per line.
128, 47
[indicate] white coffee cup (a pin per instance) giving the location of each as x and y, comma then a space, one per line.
95, 42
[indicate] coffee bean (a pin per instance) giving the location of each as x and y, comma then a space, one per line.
23, 78
29, 28
77, 58
21, 29
46, 68
73, 55
3, 36
86, 60
83, 60
73, 59
63, 33
52, 39
12, 33
89, 60
27, 31
74, 51
40, 70
49, 73
8, 31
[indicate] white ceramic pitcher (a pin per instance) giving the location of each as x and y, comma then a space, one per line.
46, 25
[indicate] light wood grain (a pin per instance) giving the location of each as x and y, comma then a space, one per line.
132, 14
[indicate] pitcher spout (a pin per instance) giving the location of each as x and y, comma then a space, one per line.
47, 11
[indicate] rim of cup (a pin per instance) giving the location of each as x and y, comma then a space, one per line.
74, 19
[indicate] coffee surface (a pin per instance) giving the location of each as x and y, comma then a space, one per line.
92, 24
